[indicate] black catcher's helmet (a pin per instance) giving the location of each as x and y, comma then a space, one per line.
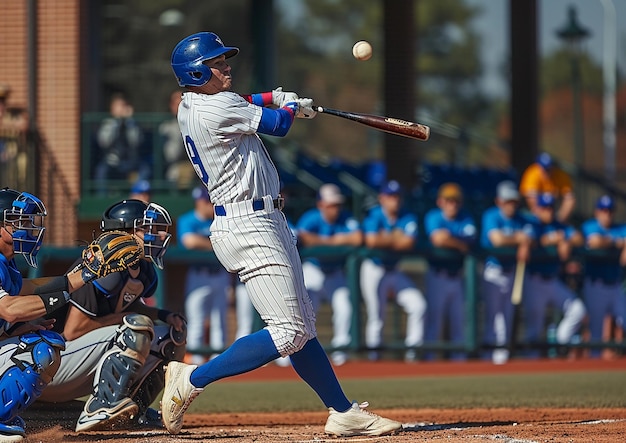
152, 219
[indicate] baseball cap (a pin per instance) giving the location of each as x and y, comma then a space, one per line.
330, 193
140, 187
605, 202
392, 187
200, 192
507, 190
546, 200
450, 191
545, 160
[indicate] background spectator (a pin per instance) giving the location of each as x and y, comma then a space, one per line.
389, 228
178, 169
119, 140
329, 225
545, 176
451, 228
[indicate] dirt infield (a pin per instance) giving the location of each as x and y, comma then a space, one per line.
521, 425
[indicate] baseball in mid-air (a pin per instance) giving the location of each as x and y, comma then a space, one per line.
362, 50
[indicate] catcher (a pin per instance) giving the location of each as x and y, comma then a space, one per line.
114, 351
29, 351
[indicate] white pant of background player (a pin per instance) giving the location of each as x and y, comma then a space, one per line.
334, 288
377, 286
207, 296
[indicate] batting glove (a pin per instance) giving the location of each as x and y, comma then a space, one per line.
280, 98
305, 108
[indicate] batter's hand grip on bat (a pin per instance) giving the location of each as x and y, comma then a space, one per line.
388, 124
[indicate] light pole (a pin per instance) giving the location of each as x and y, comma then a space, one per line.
572, 33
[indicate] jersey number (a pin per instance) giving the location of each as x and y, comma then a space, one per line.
192, 152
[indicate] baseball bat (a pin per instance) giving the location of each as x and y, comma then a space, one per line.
516, 300
518, 283
387, 124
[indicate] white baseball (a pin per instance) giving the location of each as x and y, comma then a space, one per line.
362, 50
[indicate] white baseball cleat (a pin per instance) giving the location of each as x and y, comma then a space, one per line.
177, 395
95, 418
12, 431
358, 421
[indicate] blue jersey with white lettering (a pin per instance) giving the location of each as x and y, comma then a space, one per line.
377, 221
493, 218
313, 222
462, 228
10, 283
607, 272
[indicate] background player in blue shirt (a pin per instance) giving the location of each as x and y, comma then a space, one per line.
502, 226
206, 284
330, 225
389, 228
449, 227
602, 287
543, 285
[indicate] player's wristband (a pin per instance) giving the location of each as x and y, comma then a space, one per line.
57, 284
261, 99
87, 275
162, 315
54, 300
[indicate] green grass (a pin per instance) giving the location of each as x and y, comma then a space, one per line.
558, 390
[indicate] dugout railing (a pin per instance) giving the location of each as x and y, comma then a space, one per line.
170, 292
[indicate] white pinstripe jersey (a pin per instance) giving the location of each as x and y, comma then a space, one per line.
219, 132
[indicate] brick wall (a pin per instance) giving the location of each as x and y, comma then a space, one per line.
58, 101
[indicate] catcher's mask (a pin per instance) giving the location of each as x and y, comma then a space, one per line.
152, 219
25, 216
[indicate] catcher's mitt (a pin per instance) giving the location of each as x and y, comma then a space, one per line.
112, 251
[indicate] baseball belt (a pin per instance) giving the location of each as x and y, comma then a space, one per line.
256, 205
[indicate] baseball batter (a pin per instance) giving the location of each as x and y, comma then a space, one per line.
114, 350
450, 228
544, 287
250, 235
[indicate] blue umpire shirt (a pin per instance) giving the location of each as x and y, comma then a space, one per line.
494, 219
377, 221
313, 222
602, 270
462, 227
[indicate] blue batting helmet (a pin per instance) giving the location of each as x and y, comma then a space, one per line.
190, 52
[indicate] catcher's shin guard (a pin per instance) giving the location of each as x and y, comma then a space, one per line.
31, 367
168, 345
120, 366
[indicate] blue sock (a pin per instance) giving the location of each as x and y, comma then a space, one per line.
312, 365
247, 353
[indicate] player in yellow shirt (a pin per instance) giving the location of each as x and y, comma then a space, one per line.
544, 176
